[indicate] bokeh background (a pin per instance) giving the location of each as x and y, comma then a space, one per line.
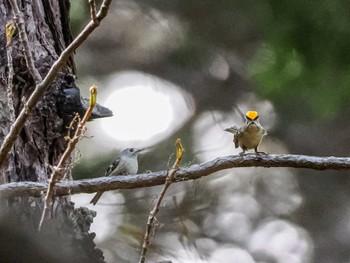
172, 69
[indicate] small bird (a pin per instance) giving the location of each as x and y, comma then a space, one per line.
250, 134
125, 164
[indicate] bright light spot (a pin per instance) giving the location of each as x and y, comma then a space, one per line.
140, 112
146, 110
219, 68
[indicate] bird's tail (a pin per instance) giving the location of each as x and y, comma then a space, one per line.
96, 198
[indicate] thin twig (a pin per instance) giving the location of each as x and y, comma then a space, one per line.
11, 29
92, 4
18, 16
66, 155
192, 172
152, 215
51, 75
241, 114
10, 85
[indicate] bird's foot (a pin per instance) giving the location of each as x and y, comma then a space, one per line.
263, 153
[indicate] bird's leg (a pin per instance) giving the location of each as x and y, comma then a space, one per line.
257, 152
242, 153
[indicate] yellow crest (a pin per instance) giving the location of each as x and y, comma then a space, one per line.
10, 31
252, 115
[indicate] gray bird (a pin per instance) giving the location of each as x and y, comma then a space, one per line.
125, 164
250, 134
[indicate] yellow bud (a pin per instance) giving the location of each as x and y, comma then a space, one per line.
93, 95
179, 149
10, 31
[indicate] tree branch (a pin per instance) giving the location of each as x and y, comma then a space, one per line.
51, 75
153, 213
192, 172
25, 42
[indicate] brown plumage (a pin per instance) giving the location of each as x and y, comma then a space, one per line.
248, 136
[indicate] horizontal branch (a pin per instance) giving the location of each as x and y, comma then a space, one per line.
183, 174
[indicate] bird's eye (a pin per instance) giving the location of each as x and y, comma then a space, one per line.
131, 150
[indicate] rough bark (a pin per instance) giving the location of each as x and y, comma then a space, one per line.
41, 141
192, 172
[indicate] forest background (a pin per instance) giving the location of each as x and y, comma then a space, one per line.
172, 69
289, 60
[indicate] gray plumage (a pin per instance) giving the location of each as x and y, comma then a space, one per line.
125, 164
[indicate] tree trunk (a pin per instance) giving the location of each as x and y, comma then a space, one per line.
41, 142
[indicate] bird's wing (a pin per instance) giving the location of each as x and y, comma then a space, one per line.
238, 135
236, 139
112, 167
264, 132
234, 129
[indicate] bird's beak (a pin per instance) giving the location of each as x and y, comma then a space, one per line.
251, 122
141, 150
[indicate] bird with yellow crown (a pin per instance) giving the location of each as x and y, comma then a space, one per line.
248, 136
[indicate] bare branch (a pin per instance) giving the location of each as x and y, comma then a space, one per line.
10, 32
10, 105
92, 4
51, 75
24, 39
152, 215
10, 85
192, 172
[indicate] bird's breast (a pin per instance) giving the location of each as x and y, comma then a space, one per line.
251, 136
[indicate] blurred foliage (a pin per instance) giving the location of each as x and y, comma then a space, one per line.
79, 14
303, 53
191, 53
305, 57
292, 53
